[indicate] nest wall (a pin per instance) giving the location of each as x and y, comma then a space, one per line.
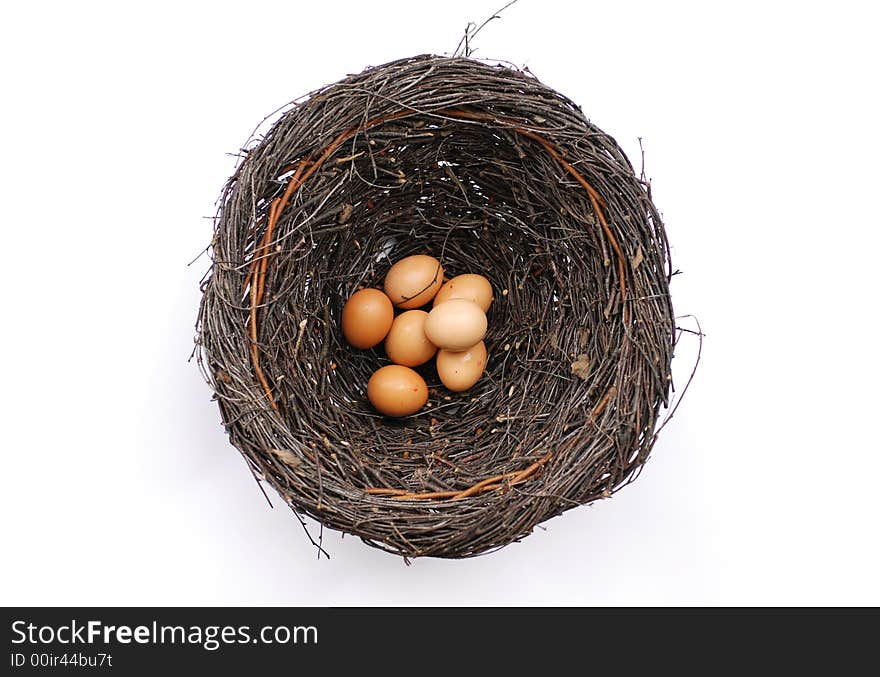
494, 173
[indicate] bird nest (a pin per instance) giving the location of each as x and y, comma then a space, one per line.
492, 172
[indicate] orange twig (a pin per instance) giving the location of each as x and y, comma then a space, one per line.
255, 260
278, 204
483, 486
386, 492
595, 199
600, 407
259, 281
429, 494
515, 478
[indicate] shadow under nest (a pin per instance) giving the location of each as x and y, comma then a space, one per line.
493, 173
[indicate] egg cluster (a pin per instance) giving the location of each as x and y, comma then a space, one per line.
452, 331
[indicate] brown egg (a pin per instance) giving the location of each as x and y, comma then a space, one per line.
397, 391
413, 281
460, 370
457, 324
475, 288
406, 343
367, 318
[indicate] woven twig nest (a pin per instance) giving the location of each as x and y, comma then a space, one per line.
492, 172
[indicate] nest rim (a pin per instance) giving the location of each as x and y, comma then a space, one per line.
304, 220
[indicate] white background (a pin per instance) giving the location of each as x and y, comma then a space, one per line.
117, 483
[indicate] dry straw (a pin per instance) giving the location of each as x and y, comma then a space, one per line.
494, 173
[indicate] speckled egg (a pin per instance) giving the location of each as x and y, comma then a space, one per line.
396, 391
460, 370
472, 287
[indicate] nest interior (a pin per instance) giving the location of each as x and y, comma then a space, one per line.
494, 173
